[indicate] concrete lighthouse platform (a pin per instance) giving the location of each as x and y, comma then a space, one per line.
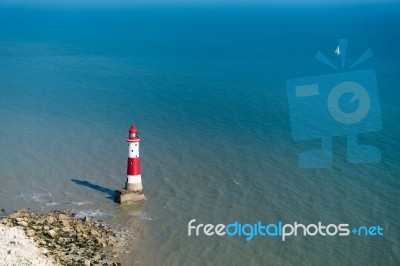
126, 196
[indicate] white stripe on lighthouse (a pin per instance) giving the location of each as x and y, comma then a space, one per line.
133, 150
134, 179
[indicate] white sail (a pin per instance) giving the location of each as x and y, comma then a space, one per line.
337, 51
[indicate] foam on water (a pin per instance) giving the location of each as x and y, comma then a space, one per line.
41, 197
143, 216
91, 213
82, 203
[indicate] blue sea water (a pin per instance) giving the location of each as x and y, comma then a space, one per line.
206, 88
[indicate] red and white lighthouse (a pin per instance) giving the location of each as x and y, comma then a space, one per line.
134, 179
133, 190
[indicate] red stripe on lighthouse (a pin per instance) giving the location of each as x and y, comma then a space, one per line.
133, 166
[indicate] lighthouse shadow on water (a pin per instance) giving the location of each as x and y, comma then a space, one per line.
88, 184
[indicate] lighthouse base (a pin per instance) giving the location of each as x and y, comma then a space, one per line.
126, 196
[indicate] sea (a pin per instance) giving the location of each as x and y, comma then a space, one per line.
206, 87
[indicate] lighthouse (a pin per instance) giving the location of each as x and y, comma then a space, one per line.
133, 190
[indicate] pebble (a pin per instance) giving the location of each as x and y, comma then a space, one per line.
66, 229
86, 220
23, 223
62, 217
94, 232
30, 233
52, 233
50, 219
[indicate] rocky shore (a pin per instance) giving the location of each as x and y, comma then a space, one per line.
67, 240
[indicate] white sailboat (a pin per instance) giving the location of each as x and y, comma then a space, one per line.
337, 51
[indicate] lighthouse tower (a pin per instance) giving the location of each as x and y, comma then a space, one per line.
134, 179
133, 190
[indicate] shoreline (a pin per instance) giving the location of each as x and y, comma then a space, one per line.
58, 238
